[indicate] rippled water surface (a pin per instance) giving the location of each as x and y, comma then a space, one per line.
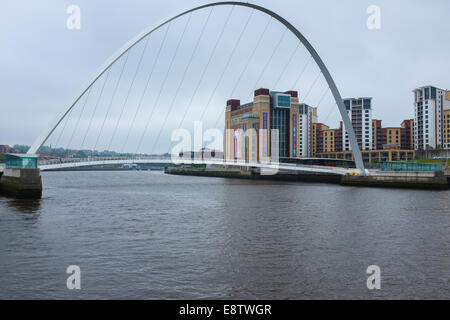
148, 235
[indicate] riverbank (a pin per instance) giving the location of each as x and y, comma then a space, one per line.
254, 174
392, 179
379, 179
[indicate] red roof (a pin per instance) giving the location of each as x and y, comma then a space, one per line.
294, 94
262, 92
234, 103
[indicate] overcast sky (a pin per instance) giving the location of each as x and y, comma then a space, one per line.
43, 63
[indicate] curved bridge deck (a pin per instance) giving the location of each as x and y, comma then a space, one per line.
63, 164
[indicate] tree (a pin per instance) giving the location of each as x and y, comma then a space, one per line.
21, 148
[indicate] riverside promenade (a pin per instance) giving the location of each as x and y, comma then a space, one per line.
375, 178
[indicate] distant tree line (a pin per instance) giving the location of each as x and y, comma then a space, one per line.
21, 148
71, 153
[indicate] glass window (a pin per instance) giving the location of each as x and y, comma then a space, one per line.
284, 101
347, 104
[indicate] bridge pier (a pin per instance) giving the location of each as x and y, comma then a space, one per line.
22, 183
21, 178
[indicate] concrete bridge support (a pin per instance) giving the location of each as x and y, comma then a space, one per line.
23, 183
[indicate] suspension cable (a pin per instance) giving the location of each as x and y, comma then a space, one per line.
250, 58
267, 63
286, 65
227, 64
331, 108
79, 117
312, 86
323, 96
183, 77
112, 98
95, 108
206, 68
329, 113
261, 73
178, 88
137, 109
163, 83
226, 67
64, 128
128, 93
301, 73
246, 66
146, 86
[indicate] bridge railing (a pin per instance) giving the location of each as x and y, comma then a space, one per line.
78, 162
92, 159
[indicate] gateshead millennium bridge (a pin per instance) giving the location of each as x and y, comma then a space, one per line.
143, 36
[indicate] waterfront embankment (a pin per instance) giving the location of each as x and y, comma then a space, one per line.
380, 179
392, 179
255, 174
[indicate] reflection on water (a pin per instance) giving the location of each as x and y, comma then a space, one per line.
24, 205
151, 235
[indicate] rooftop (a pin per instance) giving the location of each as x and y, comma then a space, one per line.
22, 155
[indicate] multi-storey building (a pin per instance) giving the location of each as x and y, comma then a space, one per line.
318, 137
338, 138
269, 111
407, 134
326, 139
390, 144
360, 113
301, 136
446, 126
240, 118
284, 115
307, 117
376, 135
446, 121
371, 156
391, 137
329, 139
429, 106
384, 138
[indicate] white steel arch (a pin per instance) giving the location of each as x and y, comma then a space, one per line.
130, 44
